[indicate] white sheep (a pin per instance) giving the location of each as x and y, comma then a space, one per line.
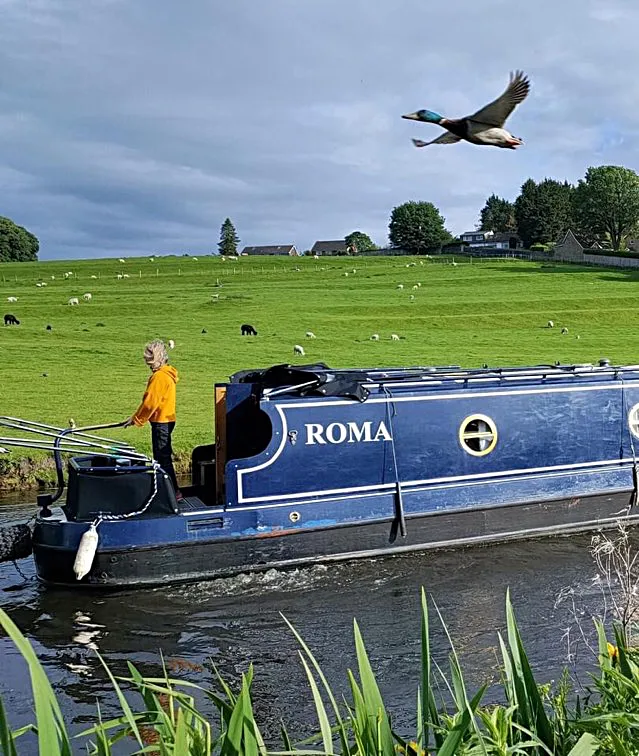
564, 331
421, 262
94, 277
53, 278
577, 337
354, 270
454, 264
70, 273
43, 283
66, 275
171, 344
39, 285
297, 349
394, 337
119, 276
74, 301
194, 258
400, 286
419, 285
12, 299
125, 275
346, 274
316, 257
87, 297
375, 337
412, 296
550, 324
310, 335
415, 287
152, 259
121, 260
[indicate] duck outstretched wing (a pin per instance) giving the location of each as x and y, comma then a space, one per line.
445, 138
496, 112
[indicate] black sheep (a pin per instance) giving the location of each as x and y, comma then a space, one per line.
11, 320
248, 330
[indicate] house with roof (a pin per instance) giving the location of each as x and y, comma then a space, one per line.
336, 247
572, 249
273, 249
491, 240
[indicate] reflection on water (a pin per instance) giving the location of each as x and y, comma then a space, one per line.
237, 620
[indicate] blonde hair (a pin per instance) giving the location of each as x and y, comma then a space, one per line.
155, 354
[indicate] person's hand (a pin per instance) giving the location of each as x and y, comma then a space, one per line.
128, 422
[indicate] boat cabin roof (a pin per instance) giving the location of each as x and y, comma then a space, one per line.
357, 383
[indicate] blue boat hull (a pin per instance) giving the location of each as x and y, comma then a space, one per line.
382, 465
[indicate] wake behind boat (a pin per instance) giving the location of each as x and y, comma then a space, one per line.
310, 465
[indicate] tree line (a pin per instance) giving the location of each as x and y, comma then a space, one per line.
16, 243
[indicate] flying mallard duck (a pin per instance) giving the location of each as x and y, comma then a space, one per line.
486, 125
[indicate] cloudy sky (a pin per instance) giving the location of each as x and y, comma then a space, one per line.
137, 126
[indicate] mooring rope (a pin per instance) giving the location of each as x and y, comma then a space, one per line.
155, 469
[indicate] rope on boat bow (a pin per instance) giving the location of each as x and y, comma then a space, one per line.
400, 518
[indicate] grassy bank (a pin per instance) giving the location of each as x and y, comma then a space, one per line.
88, 366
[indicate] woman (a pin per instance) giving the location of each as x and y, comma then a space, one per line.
158, 407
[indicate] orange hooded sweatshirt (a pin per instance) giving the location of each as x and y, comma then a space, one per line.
158, 402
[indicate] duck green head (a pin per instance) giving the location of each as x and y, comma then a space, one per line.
424, 115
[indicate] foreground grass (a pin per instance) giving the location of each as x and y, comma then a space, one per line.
532, 720
469, 314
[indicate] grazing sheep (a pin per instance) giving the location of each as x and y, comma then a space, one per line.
121, 260
53, 278
74, 301
119, 276
419, 285
194, 258
12, 299
375, 337
11, 320
412, 296
248, 330
346, 274
125, 275
204, 330
421, 262
171, 344
310, 335
316, 257
152, 259
87, 297
354, 270
49, 327
297, 349
577, 337
415, 287
39, 285
70, 273
66, 275
400, 286
550, 324
95, 277
394, 337
454, 264
43, 283
564, 331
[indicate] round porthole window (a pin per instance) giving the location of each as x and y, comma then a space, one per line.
478, 435
633, 420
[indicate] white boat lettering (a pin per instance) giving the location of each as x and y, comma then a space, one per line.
339, 433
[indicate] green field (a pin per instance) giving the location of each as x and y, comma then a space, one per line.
469, 314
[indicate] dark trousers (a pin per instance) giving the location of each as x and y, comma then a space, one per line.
162, 450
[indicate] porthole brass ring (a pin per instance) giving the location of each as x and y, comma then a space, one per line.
294, 516
466, 434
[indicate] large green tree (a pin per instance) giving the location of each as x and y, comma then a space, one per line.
228, 239
607, 203
544, 211
358, 241
497, 215
16, 243
417, 227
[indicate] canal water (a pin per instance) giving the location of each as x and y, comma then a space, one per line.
236, 621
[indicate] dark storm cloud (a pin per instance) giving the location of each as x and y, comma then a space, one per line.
137, 126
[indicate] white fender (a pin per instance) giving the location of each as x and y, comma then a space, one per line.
86, 552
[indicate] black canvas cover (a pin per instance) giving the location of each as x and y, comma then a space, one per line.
95, 489
324, 381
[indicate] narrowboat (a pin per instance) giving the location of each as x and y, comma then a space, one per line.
310, 464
